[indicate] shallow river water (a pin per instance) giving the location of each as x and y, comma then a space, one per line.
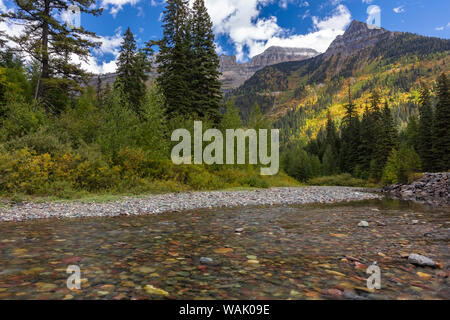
285, 252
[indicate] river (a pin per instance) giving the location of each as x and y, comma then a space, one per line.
281, 252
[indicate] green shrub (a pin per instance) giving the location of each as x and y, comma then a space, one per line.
19, 119
256, 182
343, 180
401, 165
300, 165
40, 141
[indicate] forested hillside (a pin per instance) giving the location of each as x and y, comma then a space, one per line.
395, 64
376, 72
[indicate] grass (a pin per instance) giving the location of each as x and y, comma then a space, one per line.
343, 180
247, 181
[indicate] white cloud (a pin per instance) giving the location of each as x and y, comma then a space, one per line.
3, 8
116, 5
240, 21
109, 45
400, 9
10, 29
367, 1
439, 28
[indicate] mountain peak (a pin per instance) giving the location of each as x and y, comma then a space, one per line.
359, 35
361, 27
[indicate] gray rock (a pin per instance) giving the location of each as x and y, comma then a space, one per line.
422, 261
431, 187
206, 260
350, 295
157, 204
363, 224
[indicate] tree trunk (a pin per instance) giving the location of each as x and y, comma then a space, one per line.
45, 72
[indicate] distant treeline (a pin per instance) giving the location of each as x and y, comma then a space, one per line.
372, 147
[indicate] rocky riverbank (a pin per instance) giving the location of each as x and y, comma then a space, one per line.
154, 204
431, 188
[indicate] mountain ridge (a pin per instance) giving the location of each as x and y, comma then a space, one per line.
364, 59
233, 73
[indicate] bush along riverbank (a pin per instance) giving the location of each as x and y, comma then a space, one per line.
431, 187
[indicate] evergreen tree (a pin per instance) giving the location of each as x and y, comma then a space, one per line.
442, 126
205, 75
350, 137
425, 146
365, 149
99, 90
332, 136
231, 119
387, 140
412, 133
371, 128
132, 67
173, 59
256, 119
329, 161
154, 129
50, 42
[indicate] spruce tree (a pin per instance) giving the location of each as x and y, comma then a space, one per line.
231, 119
206, 86
173, 59
387, 140
332, 138
425, 143
99, 90
332, 147
441, 145
370, 134
350, 137
412, 133
329, 161
132, 67
365, 149
51, 41
257, 120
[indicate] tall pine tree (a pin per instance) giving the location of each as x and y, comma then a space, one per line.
425, 143
350, 137
371, 133
132, 67
441, 145
387, 141
173, 58
207, 95
50, 41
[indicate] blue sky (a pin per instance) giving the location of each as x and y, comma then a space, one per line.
248, 27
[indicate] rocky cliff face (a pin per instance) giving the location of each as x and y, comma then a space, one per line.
358, 36
235, 74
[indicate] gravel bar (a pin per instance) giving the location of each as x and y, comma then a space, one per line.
154, 204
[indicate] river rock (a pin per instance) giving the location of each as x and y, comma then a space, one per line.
422, 261
206, 260
363, 224
431, 187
